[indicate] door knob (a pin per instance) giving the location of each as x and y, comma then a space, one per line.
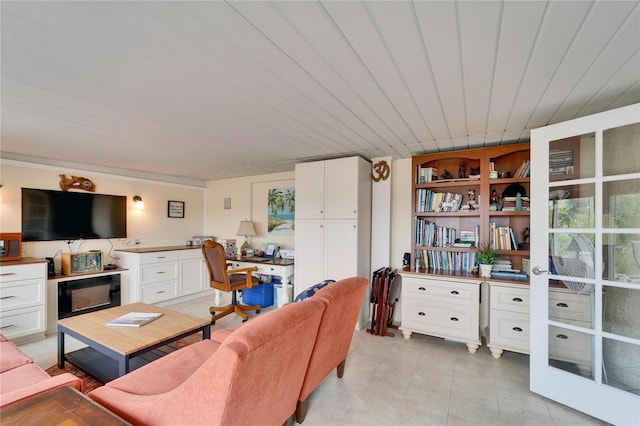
536, 270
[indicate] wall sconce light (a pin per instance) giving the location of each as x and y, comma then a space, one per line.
246, 230
139, 204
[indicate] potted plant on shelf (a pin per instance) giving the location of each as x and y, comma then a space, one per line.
486, 259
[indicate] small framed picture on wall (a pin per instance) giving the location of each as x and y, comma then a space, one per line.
175, 209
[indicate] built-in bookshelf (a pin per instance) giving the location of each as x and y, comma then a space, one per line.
467, 198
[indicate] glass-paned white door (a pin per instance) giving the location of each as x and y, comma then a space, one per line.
585, 257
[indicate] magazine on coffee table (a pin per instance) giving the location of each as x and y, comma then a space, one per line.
134, 319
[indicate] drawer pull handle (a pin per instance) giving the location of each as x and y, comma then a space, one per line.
562, 336
422, 289
160, 272
454, 319
455, 292
517, 299
161, 257
562, 305
421, 314
6, 297
7, 273
7, 326
516, 329
160, 292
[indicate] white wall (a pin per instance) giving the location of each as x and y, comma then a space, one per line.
248, 201
151, 226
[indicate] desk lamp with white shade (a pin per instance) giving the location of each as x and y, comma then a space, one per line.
247, 231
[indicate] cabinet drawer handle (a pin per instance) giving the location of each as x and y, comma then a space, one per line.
7, 326
160, 257
6, 297
562, 305
160, 292
517, 299
455, 292
516, 329
7, 273
160, 272
562, 336
454, 319
421, 314
422, 289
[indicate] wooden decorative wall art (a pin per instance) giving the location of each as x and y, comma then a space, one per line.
76, 182
381, 171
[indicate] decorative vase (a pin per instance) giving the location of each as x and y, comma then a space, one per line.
485, 271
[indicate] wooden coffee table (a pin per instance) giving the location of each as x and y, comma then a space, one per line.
61, 406
114, 351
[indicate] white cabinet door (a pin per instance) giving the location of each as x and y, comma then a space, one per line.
309, 264
310, 190
341, 249
341, 188
191, 276
585, 192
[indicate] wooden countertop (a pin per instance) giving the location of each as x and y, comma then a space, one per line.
23, 261
156, 249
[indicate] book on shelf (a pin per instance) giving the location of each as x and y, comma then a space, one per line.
134, 319
427, 174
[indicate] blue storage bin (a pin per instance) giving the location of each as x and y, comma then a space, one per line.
261, 295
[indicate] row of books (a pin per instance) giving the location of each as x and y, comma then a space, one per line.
502, 237
428, 234
524, 170
431, 201
427, 174
446, 260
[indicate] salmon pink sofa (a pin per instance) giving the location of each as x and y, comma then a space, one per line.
342, 301
253, 377
20, 378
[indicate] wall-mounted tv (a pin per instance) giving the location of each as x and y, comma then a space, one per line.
57, 215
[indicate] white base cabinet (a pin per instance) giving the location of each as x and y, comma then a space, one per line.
508, 318
509, 327
23, 300
164, 275
447, 307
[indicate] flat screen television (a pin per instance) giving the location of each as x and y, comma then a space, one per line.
57, 215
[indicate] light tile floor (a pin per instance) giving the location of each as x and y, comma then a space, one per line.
420, 381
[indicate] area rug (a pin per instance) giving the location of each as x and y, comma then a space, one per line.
89, 383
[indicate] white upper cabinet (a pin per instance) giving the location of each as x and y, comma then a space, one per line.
329, 189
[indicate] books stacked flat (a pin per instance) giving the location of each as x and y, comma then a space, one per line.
134, 319
505, 275
512, 204
467, 239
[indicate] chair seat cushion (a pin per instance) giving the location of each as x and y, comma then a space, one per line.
309, 292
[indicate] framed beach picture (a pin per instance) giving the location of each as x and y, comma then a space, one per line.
281, 211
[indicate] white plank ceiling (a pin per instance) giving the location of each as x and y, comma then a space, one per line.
204, 90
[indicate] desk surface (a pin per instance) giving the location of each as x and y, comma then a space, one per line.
266, 261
